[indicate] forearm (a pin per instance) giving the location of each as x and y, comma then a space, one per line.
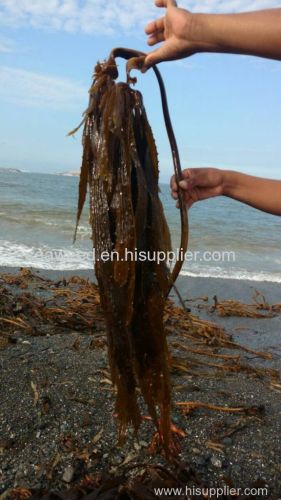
256, 33
263, 194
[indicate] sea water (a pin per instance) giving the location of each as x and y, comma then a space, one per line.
227, 239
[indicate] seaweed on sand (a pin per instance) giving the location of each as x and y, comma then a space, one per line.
129, 228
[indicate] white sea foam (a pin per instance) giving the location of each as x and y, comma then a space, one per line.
236, 274
14, 254
19, 255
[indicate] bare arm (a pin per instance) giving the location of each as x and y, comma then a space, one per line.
183, 33
202, 183
264, 194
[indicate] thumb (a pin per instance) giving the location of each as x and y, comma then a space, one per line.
151, 59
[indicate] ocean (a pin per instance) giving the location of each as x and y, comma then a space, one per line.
227, 239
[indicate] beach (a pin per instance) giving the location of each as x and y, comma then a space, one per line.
262, 335
58, 428
57, 402
140, 250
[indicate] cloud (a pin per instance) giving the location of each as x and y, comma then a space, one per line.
6, 44
86, 16
32, 89
109, 17
229, 5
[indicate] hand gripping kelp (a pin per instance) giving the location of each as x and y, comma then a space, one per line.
120, 166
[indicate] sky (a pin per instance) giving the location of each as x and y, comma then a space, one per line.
226, 109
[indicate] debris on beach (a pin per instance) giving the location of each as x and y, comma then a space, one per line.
141, 481
236, 308
31, 305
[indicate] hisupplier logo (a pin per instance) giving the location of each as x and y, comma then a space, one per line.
161, 256
226, 492
209, 256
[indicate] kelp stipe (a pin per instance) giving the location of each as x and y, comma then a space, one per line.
120, 166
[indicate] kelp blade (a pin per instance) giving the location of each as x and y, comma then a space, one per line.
121, 167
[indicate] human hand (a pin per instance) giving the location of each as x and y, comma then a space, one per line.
198, 184
175, 30
184, 33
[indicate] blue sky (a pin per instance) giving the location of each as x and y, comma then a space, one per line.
226, 109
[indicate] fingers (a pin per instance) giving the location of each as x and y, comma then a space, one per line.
175, 195
197, 184
155, 26
165, 3
186, 185
189, 197
156, 31
198, 177
188, 203
185, 176
153, 57
153, 39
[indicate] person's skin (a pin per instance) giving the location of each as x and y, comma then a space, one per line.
184, 34
202, 183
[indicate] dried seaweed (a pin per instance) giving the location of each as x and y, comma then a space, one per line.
35, 306
236, 308
193, 405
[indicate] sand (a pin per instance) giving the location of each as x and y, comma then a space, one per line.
57, 420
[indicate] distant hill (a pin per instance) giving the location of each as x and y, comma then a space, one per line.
69, 174
10, 170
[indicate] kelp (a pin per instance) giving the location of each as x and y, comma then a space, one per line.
129, 229
236, 308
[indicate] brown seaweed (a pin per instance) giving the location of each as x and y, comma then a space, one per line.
236, 308
120, 165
